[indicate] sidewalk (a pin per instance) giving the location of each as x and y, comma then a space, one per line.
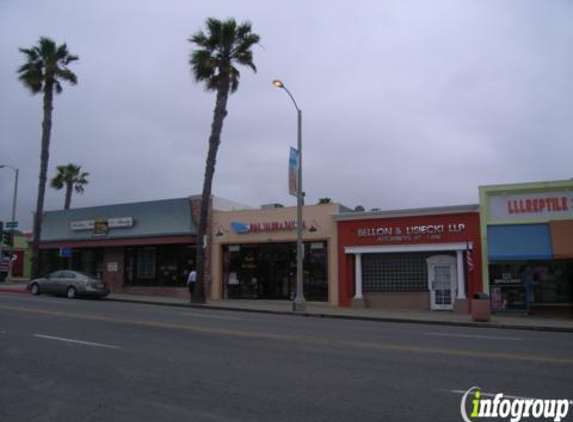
324, 310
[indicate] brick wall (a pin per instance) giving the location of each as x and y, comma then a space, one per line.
393, 300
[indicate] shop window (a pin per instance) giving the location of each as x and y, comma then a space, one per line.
174, 263
145, 263
316, 271
268, 271
164, 265
520, 285
395, 272
89, 261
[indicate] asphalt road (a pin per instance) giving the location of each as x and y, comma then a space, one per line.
96, 360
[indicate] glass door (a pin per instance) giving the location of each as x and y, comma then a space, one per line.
442, 287
442, 282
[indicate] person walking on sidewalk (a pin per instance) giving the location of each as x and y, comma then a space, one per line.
191, 279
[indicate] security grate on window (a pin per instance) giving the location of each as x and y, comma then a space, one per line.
395, 272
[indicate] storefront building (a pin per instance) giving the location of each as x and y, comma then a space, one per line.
19, 254
141, 248
527, 232
412, 259
254, 253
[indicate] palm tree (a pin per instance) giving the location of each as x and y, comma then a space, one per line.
224, 45
45, 66
69, 177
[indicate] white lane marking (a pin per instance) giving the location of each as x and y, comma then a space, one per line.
69, 340
190, 314
474, 336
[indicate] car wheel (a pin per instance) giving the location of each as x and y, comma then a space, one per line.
35, 289
71, 292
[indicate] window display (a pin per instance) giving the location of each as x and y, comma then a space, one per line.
525, 284
268, 271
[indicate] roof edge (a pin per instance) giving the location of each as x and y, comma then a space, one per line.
414, 212
71, 210
548, 184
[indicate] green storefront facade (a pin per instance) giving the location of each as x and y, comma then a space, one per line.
527, 245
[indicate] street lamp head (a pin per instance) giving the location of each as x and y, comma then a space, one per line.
278, 84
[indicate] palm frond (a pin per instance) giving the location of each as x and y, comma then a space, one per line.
46, 47
58, 181
45, 66
234, 76
244, 30
201, 40
228, 34
218, 48
32, 81
70, 174
67, 75
57, 87
214, 27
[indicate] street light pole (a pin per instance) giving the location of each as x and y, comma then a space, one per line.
14, 199
299, 303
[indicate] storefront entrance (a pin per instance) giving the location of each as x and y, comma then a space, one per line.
268, 271
442, 281
528, 285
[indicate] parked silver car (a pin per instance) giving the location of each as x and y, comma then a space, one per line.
69, 283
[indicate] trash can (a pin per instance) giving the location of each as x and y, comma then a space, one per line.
481, 307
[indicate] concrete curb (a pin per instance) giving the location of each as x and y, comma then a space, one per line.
469, 324
20, 291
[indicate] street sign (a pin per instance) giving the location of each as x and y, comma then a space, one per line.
65, 252
11, 224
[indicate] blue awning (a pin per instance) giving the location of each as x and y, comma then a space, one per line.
519, 242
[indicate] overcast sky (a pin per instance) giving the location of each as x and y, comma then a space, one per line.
405, 103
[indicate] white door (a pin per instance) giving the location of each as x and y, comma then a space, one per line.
442, 281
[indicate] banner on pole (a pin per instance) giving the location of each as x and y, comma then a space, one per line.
293, 172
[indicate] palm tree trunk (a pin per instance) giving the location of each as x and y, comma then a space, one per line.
68, 200
44, 157
198, 295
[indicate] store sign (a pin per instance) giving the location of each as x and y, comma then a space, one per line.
116, 223
405, 233
267, 226
540, 206
65, 252
82, 225
98, 224
101, 227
